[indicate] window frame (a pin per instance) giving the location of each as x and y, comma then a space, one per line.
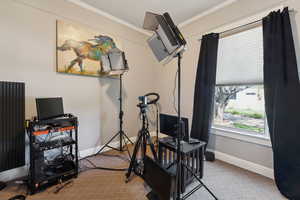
241, 136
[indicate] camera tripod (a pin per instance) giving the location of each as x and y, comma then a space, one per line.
142, 140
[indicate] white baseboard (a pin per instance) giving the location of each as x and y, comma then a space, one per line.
250, 166
93, 150
23, 171
14, 173
253, 167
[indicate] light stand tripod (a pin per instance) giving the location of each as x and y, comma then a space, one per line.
121, 134
142, 139
180, 164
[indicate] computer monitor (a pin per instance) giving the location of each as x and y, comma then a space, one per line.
168, 125
48, 108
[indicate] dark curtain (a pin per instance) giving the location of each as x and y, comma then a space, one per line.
205, 87
282, 98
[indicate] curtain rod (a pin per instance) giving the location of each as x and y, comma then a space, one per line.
242, 26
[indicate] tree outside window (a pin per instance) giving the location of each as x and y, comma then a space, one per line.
240, 107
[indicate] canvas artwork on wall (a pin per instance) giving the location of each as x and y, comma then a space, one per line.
79, 49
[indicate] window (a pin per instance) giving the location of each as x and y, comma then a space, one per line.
244, 113
239, 97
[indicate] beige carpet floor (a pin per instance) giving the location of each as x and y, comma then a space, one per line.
226, 181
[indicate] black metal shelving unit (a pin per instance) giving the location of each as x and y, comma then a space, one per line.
38, 176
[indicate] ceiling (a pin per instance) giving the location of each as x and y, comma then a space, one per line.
133, 11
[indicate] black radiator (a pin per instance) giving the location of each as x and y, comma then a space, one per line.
12, 125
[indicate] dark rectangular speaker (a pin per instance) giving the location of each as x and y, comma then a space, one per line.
12, 125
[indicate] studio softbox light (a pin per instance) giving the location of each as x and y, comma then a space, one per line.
167, 41
114, 62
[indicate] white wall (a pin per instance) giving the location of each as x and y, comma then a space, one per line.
256, 153
28, 43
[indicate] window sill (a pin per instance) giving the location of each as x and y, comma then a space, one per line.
241, 136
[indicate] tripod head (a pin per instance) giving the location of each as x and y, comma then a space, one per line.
147, 99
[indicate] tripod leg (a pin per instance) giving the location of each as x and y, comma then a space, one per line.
199, 180
127, 148
105, 145
151, 146
144, 146
134, 155
128, 138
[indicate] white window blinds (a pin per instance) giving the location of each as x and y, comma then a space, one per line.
240, 58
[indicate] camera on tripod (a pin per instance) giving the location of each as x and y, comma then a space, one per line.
143, 100
147, 99
143, 103
136, 164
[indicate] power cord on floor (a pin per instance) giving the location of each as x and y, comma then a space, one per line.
62, 186
95, 167
20, 196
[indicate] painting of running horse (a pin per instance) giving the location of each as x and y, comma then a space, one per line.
79, 49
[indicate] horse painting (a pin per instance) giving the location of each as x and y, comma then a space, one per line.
86, 50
